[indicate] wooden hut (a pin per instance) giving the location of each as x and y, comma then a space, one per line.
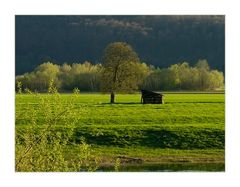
149, 97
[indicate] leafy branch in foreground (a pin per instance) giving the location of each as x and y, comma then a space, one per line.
41, 146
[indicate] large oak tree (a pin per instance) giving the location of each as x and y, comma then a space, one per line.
122, 70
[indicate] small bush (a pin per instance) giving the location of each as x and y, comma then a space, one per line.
19, 87
76, 91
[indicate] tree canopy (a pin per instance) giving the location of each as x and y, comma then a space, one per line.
122, 71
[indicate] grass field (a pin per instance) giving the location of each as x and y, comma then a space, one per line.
188, 129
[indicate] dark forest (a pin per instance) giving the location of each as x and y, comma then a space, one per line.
158, 40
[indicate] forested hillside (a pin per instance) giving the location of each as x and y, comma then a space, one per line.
158, 40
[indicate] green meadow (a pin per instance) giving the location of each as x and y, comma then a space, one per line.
187, 132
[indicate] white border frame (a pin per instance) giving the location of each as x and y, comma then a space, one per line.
11, 8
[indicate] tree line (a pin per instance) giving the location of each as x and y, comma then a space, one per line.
87, 77
184, 77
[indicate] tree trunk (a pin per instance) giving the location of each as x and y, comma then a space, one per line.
112, 97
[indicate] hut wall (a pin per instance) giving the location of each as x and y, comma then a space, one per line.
149, 97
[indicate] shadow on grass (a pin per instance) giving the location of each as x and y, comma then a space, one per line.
122, 103
185, 138
168, 102
205, 102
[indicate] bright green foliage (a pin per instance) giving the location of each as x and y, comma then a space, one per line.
117, 164
183, 77
66, 77
51, 88
39, 79
40, 146
203, 68
87, 77
19, 87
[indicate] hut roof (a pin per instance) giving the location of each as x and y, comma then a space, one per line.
147, 92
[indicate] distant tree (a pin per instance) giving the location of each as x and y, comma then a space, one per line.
39, 79
203, 65
166, 79
175, 69
185, 76
203, 71
121, 69
194, 78
151, 81
143, 72
45, 73
65, 76
216, 80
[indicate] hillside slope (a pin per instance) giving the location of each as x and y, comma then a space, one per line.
159, 40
